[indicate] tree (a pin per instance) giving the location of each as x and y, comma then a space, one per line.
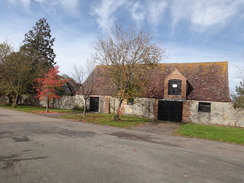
5, 50
238, 98
47, 86
79, 74
15, 76
38, 44
128, 53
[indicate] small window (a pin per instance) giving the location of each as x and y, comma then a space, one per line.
204, 107
174, 87
130, 101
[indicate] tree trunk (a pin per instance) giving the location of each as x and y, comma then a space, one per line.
16, 101
84, 111
10, 99
118, 111
47, 106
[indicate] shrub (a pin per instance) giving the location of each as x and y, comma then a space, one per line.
77, 107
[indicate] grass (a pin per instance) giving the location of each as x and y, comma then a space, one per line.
38, 109
96, 118
107, 119
219, 133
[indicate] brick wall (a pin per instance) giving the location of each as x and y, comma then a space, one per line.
175, 75
186, 113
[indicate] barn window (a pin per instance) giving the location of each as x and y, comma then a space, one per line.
204, 107
174, 87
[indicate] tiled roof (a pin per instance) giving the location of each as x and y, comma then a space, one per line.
206, 81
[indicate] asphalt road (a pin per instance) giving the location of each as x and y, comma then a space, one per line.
35, 148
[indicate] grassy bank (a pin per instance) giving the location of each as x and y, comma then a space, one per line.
107, 119
37, 109
96, 118
219, 133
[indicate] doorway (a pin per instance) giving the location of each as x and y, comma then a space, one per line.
170, 111
94, 104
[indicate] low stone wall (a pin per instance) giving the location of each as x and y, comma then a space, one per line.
222, 113
24, 100
64, 102
67, 102
144, 107
238, 116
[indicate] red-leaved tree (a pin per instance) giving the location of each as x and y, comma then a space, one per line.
47, 86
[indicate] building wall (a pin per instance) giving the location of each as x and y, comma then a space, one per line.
66, 102
144, 107
222, 113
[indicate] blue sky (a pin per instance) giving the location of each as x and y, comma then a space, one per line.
189, 30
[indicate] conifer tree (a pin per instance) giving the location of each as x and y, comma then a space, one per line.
38, 44
239, 97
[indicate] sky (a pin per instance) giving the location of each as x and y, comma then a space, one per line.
188, 30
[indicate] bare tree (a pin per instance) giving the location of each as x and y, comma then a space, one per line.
129, 54
82, 75
240, 73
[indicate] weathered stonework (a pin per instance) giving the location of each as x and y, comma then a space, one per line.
222, 113
144, 107
66, 102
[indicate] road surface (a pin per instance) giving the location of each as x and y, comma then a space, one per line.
35, 148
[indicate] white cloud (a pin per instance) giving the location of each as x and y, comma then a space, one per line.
137, 11
105, 10
25, 3
204, 14
69, 6
155, 10
209, 13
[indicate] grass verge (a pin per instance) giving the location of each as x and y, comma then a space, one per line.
96, 118
37, 109
219, 133
107, 119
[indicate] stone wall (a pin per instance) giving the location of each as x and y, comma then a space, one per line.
143, 107
67, 102
222, 113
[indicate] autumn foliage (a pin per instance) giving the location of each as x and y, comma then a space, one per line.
47, 86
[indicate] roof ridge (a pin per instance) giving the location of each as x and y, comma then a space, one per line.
178, 63
194, 62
